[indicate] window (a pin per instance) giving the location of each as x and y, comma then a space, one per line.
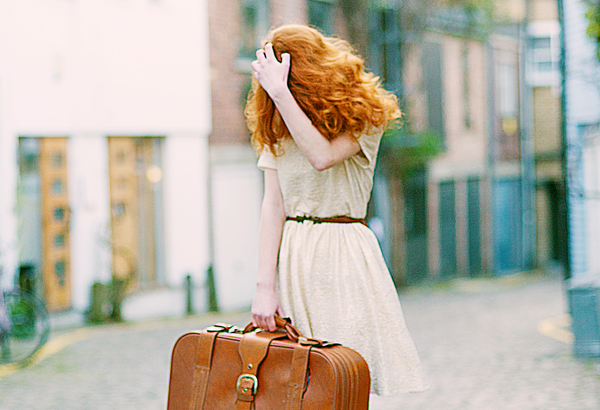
466, 87
541, 51
57, 187
385, 43
544, 53
507, 76
57, 159
320, 15
507, 89
28, 155
59, 240
255, 24
59, 214
433, 80
60, 269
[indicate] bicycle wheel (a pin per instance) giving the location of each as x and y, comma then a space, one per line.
28, 327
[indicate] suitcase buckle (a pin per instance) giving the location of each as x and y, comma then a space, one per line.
254, 382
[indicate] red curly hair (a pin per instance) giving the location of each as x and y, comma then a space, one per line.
330, 84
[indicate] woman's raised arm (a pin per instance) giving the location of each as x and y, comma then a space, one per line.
318, 150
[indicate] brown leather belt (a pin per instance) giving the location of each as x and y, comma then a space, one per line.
333, 219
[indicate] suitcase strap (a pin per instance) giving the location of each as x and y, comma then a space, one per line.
298, 377
206, 343
253, 349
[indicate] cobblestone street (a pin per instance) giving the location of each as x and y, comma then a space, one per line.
478, 340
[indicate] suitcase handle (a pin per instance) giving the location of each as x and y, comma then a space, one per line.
282, 323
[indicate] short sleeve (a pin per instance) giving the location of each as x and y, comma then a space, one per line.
369, 145
267, 160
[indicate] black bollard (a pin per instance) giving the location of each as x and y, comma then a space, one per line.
212, 291
189, 305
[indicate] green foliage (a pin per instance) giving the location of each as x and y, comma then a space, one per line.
402, 153
593, 30
22, 315
106, 300
473, 5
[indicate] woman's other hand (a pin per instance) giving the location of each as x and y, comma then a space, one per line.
264, 307
270, 73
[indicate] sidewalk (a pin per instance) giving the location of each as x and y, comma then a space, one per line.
478, 340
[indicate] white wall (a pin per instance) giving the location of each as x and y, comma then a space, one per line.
236, 197
149, 60
97, 68
186, 208
583, 107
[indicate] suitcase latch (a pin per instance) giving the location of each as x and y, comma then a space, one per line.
244, 386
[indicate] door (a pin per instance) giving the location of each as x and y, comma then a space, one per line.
447, 229
507, 215
56, 258
415, 222
474, 226
135, 178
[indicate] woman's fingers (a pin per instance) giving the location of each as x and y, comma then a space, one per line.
257, 322
280, 312
269, 53
260, 54
264, 322
270, 322
256, 67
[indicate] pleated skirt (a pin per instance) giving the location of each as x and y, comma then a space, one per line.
334, 284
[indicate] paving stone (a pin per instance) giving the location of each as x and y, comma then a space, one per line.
478, 343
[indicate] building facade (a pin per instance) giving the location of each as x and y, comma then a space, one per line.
466, 212
104, 125
124, 152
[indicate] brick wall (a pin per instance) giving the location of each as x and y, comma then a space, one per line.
464, 144
227, 83
230, 75
415, 100
544, 10
546, 120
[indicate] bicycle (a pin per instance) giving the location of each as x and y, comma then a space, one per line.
24, 325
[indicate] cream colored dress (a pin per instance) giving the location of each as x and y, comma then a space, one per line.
332, 279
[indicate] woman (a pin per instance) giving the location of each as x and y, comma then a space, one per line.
317, 117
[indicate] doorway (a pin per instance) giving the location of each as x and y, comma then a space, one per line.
44, 218
135, 179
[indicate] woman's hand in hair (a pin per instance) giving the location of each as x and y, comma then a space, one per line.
270, 73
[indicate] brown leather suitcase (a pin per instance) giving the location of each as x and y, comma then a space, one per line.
223, 367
